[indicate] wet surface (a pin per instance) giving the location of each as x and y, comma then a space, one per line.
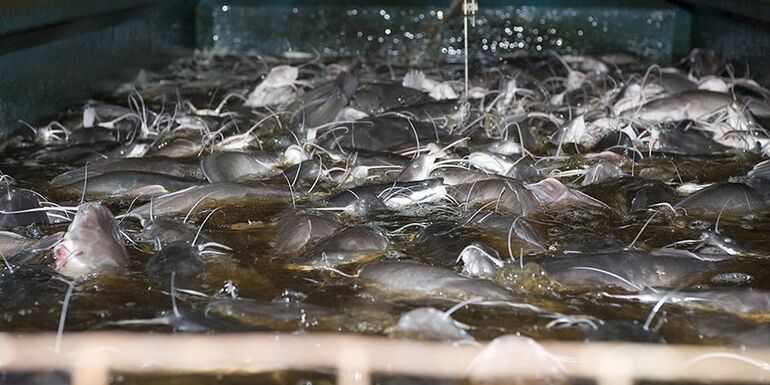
574, 234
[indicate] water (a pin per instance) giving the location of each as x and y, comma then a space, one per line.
32, 300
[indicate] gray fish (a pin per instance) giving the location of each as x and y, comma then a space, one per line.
177, 258
443, 112
322, 105
119, 184
601, 171
431, 324
480, 261
91, 244
222, 192
76, 154
393, 196
177, 148
166, 230
744, 301
627, 269
12, 244
157, 165
503, 194
453, 177
735, 198
351, 245
296, 231
758, 178
306, 171
631, 193
676, 82
440, 243
507, 226
19, 200
551, 192
406, 194
188, 321
525, 170
688, 142
414, 279
235, 166
383, 133
358, 204
690, 105
703, 62
267, 313
376, 98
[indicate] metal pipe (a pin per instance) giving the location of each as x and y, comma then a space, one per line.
92, 356
470, 7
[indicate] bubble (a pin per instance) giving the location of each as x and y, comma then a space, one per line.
699, 224
530, 279
731, 278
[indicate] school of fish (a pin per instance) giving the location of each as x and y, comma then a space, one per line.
573, 197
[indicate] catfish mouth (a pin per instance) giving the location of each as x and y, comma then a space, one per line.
61, 256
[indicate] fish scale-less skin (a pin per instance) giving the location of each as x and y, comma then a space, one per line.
130, 184
167, 230
17, 200
385, 132
415, 279
222, 192
376, 98
178, 259
231, 166
507, 195
295, 232
690, 105
726, 197
12, 244
629, 270
158, 165
351, 245
91, 244
430, 323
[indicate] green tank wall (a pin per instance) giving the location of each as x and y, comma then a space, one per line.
56, 53
738, 30
425, 30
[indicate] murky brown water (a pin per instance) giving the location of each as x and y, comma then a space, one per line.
32, 300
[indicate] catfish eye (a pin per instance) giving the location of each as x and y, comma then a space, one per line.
728, 240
